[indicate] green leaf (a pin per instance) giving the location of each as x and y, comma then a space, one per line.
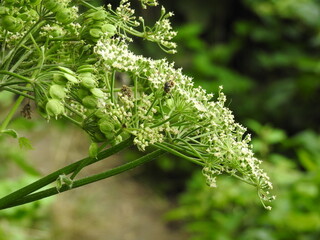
10, 132
24, 143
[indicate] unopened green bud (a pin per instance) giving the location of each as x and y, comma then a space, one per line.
88, 83
66, 70
52, 5
99, 15
95, 32
109, 135
65, 16
99, 113
54, 107
98, 137
70, 78
116, 140
109, 29
82, 92
87, 80
125, 135
59, 79
12, 24
90, 102
57, 91
85, 68
106, 126
97, 92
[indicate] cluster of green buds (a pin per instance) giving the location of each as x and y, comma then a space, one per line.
63, 13
96, 25
14, 17
78, 65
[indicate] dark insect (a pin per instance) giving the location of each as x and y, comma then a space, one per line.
125, 90
26, 111
168, 85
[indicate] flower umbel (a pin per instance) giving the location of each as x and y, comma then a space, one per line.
81, 68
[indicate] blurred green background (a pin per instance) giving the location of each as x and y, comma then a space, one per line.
265, 53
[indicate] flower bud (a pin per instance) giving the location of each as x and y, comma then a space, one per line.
109, 29
97, 92
59, 79
66, 70
109, 135
54, 107
11, 23
99, 15
82, 92
100, 113
95, 32
70, 78
29, 15
90, 102
88, 83
98, 137
57, 91
65, 16
52, 5
85, 68
106, 127
87, 80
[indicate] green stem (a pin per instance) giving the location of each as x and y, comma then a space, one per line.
15, 75
11, 113
136, 100
176, 153
164, 121
113, 78
152, 104
22, 88
87, 180
191, 148
72, 120
11, 83
75, 111
53, 176
18, 92
18, 45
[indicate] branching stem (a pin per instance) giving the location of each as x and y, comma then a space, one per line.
12, 197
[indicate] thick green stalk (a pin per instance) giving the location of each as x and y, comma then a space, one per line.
53, 176
24, 94
15, 75
87, 180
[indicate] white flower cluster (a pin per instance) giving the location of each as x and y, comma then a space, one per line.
163, 32
146, 136
82, 56
205, 128
117, 56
